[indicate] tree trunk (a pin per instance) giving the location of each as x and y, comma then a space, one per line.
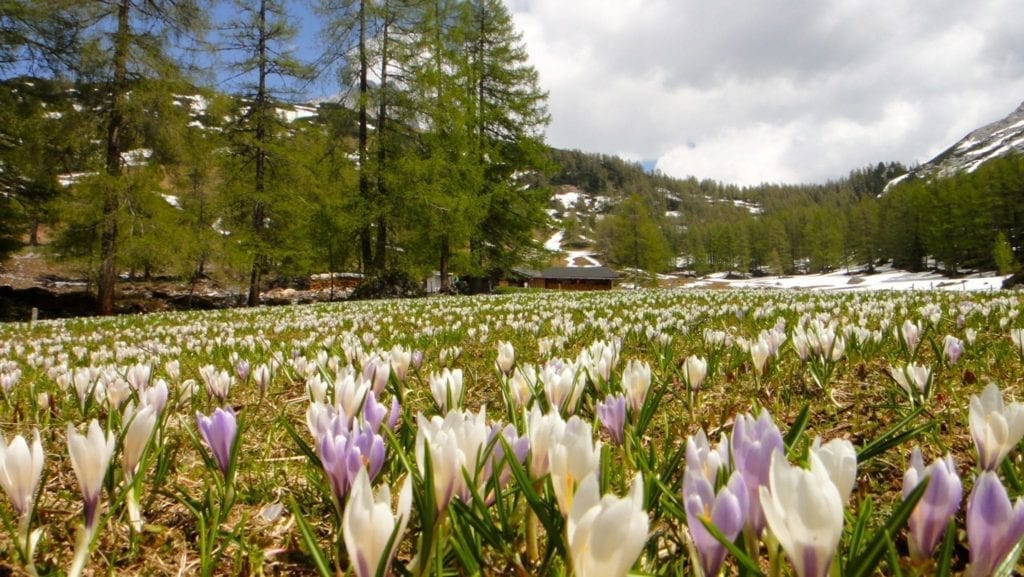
380, 258
445, 255
365, 240
108, 239
258, 211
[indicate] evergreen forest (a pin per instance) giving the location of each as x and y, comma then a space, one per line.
125, 154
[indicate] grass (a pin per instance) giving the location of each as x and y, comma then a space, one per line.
861, 404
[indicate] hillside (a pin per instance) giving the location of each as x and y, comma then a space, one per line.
997, 139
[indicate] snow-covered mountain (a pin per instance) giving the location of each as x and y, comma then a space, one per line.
990, 141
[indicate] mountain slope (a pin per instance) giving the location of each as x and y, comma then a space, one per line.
993, 140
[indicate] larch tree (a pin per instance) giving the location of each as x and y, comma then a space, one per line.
122, 43
260, 37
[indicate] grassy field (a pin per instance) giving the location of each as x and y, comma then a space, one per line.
564, 454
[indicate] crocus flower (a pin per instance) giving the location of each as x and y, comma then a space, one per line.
952, 348
457, 446
694, 370
446, 387
915, 380
572, 457
261, 376
90, 458
760, 350
376, 372
636, 379
21, 468
368, 525
996, 428
560, 386
506, 357
993, 526
542, 431
840, 461
520, 445
521, 384
910, 334
219, 431
344, 454
940, 501
753, 444
242, 370
138, 376
1017, 336
612, 414
804, 511
373, 412
218, 383
724, 510
400, 358
140, 428
703, 459
606, 534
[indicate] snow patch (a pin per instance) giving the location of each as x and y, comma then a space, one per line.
554, 244
568, 199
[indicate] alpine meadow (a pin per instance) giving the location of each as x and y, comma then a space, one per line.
301, 288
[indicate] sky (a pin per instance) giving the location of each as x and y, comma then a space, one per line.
782, 91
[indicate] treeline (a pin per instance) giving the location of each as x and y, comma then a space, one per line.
111, 145
967, 221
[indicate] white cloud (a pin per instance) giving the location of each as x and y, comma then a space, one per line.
759, 90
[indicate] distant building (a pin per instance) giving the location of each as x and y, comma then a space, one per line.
583, 278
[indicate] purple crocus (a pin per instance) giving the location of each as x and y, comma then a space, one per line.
219, 431
993, 525
753, 444
373, 412
725, 511
612, 413
343, 454
520, 447
952, 348
242, 370
941, 500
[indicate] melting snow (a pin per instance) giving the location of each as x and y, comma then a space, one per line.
172, 200
554, 244
841, 281
581, 259
568, 199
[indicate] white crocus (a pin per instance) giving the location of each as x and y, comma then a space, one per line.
457, 444
996, 428
804, 511
561, 386
636, 379
446, 387
840, 460
506, 357
694, 370
521, 384
542, 431
760, 350
21, 467
140, 428
368, 524
606, 534
572, 457
913, 379
90, 458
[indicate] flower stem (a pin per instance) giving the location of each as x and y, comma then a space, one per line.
82, 548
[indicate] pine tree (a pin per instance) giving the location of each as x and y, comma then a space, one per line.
631, 238
122, 44
261, 35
